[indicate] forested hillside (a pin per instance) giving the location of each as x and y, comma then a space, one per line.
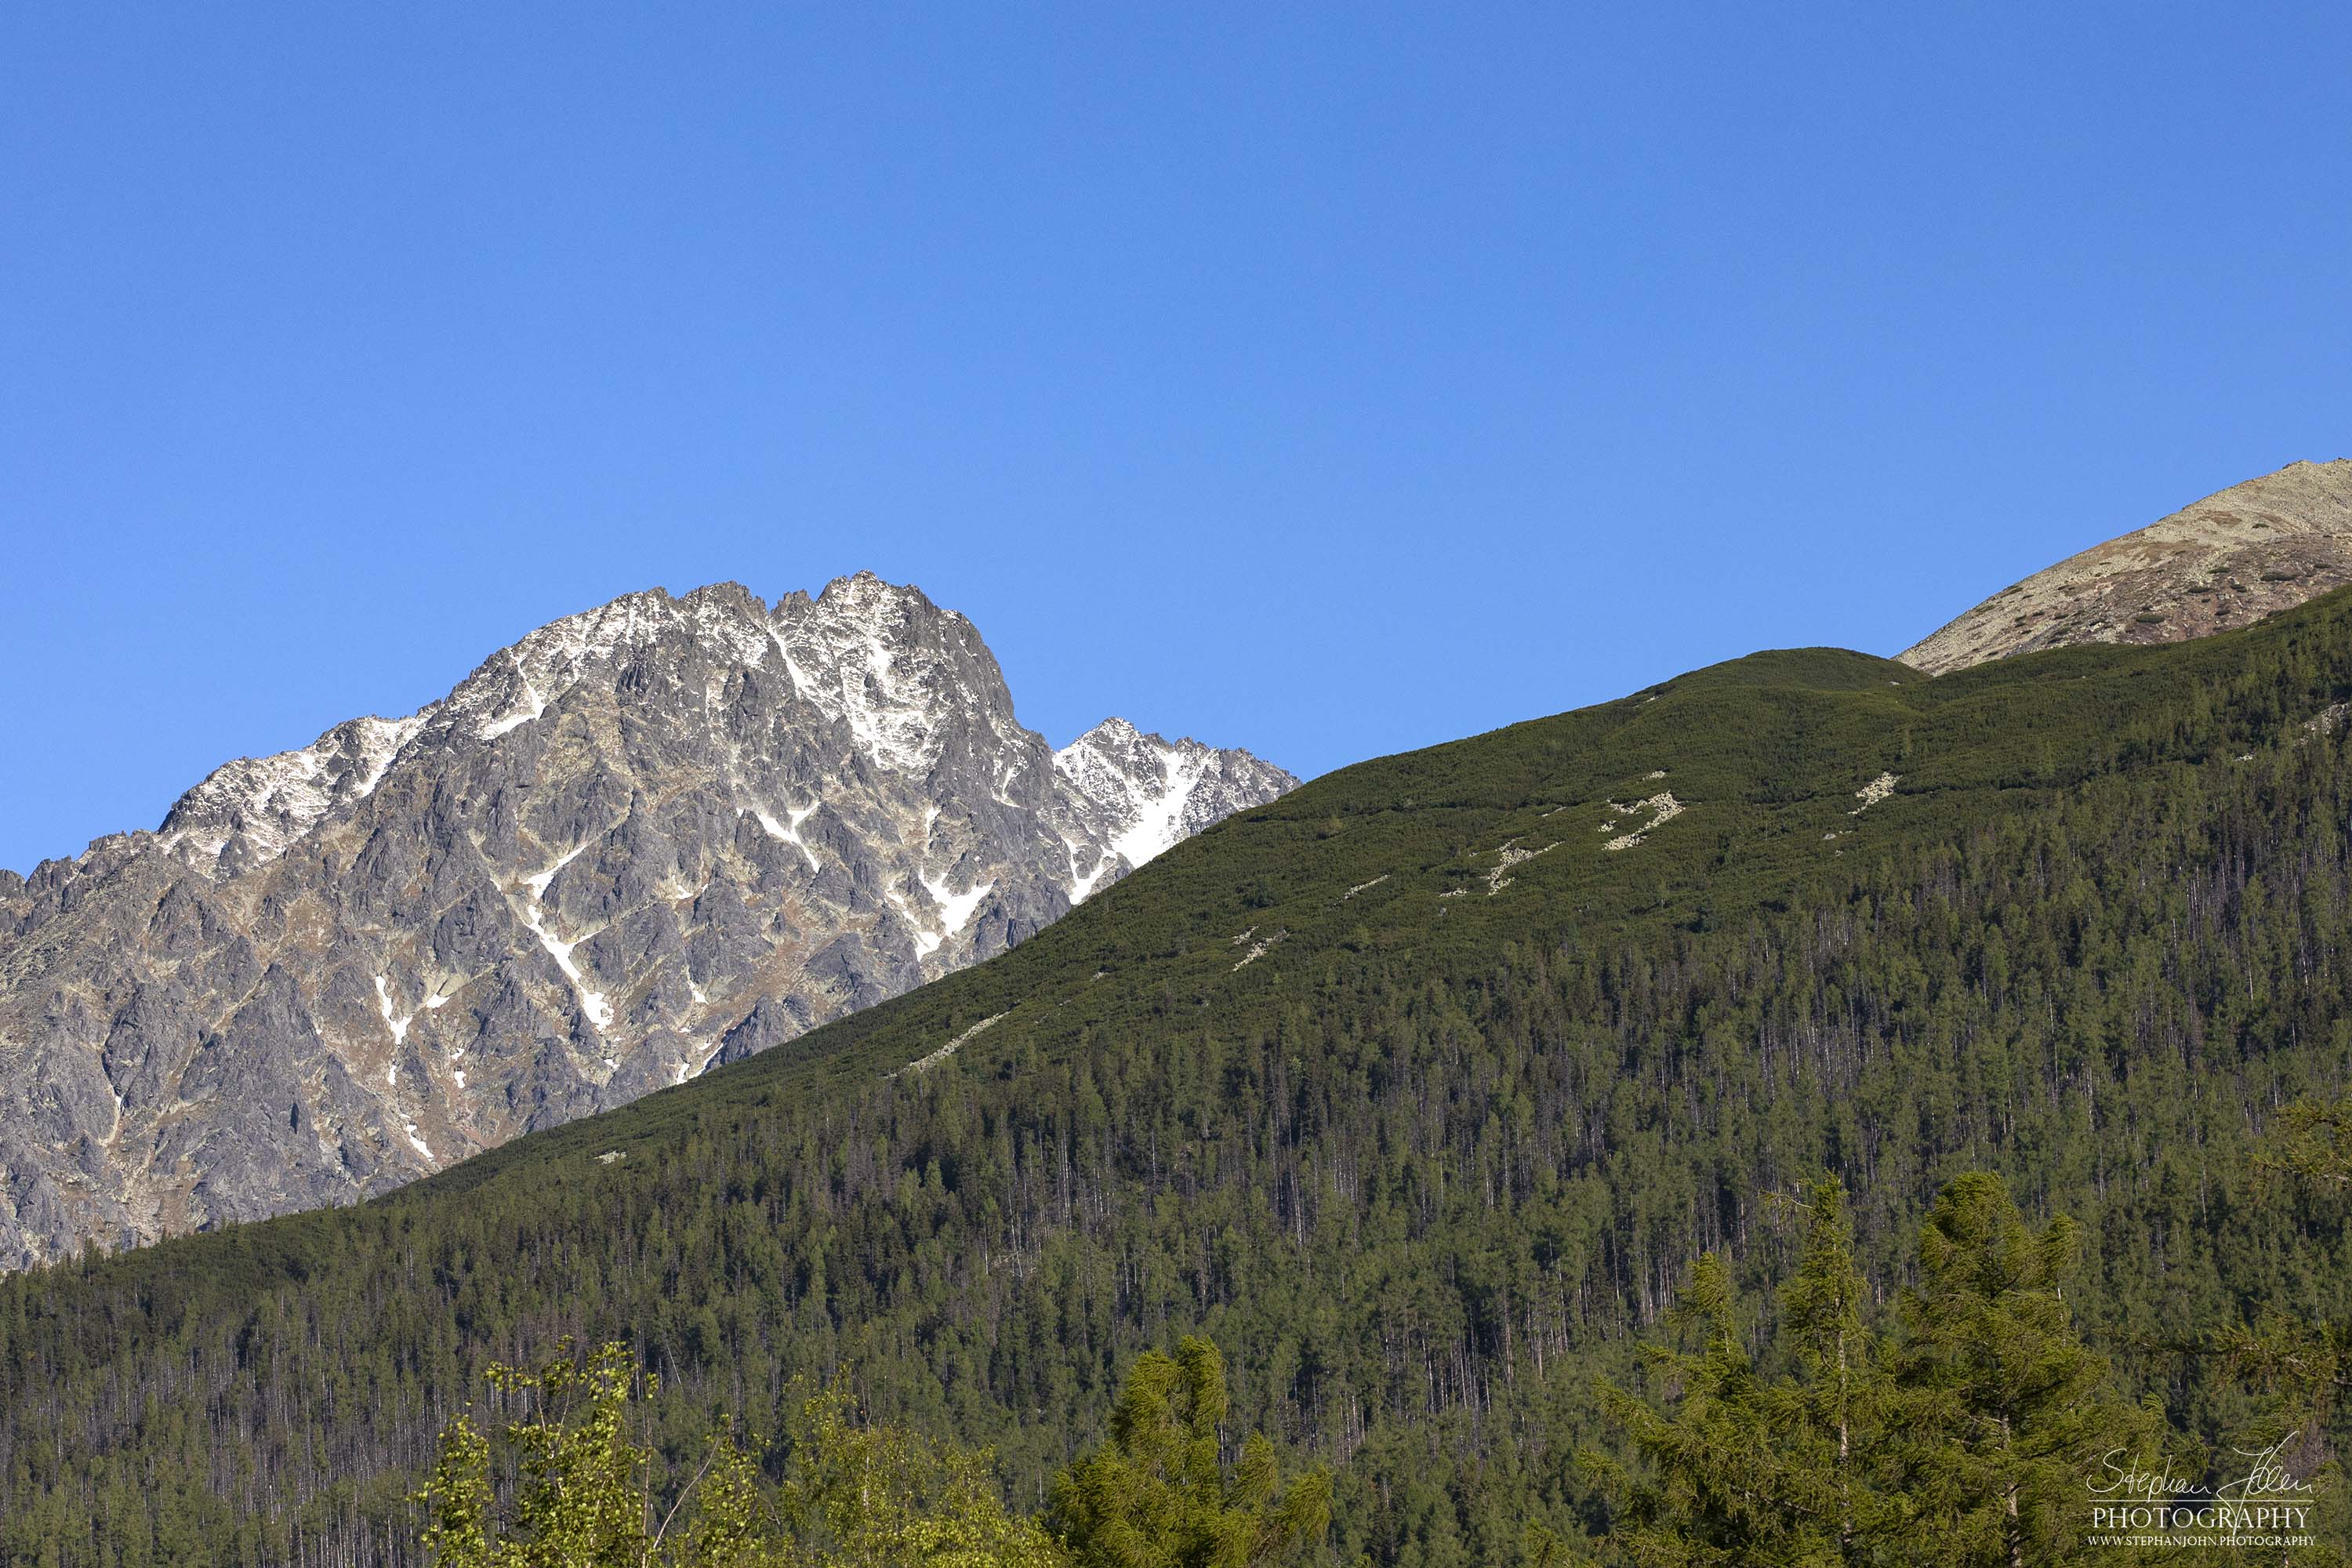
1418, 1091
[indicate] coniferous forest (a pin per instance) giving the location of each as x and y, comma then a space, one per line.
1425, 1094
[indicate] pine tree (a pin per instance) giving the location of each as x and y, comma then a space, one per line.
1751, 1468
2002, 1411
2303, 1363
589, 1496
1157, 1496
876, 1496
1845, 1391
1963, 1439
2314, 1143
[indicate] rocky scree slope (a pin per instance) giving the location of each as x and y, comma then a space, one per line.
2250, 550
659, 835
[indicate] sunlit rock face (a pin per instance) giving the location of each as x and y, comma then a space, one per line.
664, 834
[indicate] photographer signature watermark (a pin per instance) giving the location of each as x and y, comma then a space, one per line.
2267, 1505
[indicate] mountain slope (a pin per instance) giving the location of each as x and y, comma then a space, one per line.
1417, 1088
662, 835
2233, 558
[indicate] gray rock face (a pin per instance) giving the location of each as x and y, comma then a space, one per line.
2248, 552
662, 835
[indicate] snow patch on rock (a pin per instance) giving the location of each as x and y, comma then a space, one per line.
268, 804
399, 1026
1138, 795
956, 909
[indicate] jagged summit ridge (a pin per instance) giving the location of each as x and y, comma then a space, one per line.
863, 652
2227, 560
262, 804
1146, 792
662, 833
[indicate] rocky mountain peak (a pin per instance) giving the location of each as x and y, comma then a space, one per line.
261, 805
653, 836
1144, 794
2227, 560
890, 665
880, 659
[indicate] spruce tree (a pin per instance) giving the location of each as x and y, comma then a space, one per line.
588, 1496
1964, 1438
2001, 1413
2302, 1361
1747, 1467
1843, 1387
1159, 1495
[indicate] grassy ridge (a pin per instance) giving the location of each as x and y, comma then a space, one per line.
1422, 1164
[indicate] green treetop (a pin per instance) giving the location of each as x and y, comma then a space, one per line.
1963, 1437
1159, 1495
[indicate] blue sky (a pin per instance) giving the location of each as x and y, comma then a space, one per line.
1328, 380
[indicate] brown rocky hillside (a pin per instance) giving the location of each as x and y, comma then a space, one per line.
2233, 558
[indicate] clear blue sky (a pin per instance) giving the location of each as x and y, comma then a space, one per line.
1324, 379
